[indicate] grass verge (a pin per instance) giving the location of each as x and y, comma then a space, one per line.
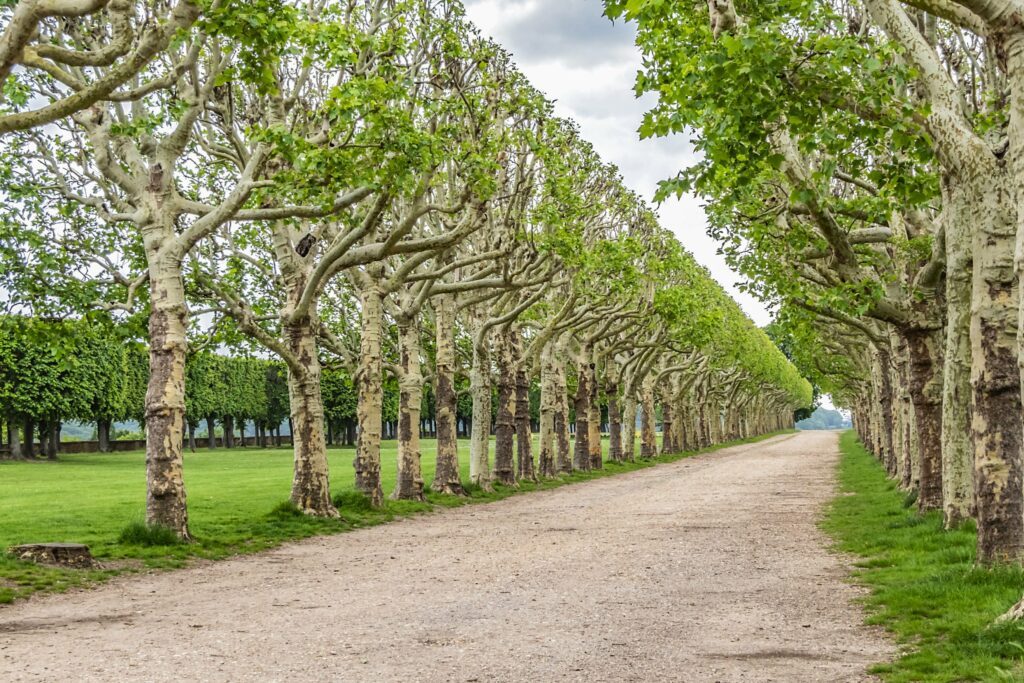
924, 586
237, 504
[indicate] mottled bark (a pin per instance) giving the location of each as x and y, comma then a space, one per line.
685, 427
165, 400
957, 452
409, 482
648, 433
703, 430
549, 406
524, 431
668, 444
311, 491
446, 472
629, 429
996, 427
888, 454
561, 418
505, 419
1005, 418
594, 420
905, 466
924, 346
714, 419
896, 401
480, 439
370, 395
581, 453
611, 390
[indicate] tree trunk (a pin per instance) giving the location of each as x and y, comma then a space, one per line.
581, 454
906, 468
524, 431
165, 399
409, 482
668, 444
447, 478
311, 489
13, 438
480, 436
686, 427
703, 433
648, 435
924, 346
29, 430
53, 439
611, 390
713, 422
370, 397
1001, 484
888, 456
594, 421
103, 435
192, 436
228, 423
560, 421
996, 426
629, 429
505, 427
43, 429
957, 452
211, 432
549, 406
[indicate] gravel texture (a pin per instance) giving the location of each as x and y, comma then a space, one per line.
707, 569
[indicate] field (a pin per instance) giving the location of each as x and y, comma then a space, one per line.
237, 503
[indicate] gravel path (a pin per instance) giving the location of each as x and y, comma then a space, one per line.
708, 569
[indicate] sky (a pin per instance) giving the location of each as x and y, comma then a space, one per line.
588, 65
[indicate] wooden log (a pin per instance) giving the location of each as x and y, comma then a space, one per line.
73, 555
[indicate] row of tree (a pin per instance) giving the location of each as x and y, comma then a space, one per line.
865, 163
367, 183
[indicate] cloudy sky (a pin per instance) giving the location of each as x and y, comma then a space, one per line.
587, 65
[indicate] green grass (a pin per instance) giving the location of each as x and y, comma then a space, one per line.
238, 503
924, 587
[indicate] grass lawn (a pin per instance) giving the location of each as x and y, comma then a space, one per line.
924, 586
236, 498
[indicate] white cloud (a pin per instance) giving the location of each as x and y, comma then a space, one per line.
571, 52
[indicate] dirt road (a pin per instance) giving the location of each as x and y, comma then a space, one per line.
708, 569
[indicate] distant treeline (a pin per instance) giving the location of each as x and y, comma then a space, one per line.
824, 418
55, 372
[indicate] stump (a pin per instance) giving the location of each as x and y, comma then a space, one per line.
73, 555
